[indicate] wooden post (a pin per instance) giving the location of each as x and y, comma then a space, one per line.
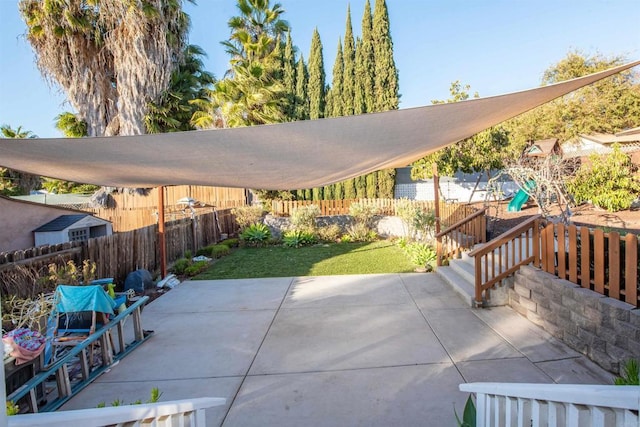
161, 236
436, 194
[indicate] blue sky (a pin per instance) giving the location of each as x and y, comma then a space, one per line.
495, 46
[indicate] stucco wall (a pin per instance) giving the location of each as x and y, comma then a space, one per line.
604, 329
19, 219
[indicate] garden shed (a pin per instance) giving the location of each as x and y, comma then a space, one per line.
71, 228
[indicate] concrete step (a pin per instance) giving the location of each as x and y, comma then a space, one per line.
459, 283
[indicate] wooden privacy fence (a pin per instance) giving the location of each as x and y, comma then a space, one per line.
119, 254
449, 212
606, 263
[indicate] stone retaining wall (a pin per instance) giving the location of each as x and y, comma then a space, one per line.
605, 330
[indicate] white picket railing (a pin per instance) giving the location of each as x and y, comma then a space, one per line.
167, 414
524, 405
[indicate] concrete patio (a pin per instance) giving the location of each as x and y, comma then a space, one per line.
369, 350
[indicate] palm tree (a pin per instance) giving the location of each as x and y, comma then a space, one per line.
111, 57
251, 93
14, 183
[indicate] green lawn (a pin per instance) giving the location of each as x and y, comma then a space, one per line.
319, 260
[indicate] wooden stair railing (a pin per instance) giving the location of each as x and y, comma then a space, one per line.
503, 256
461, 236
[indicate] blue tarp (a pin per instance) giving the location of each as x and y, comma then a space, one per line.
83, 298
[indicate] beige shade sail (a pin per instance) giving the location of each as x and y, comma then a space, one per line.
293, 155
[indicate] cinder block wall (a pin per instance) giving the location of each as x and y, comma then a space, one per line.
605, 330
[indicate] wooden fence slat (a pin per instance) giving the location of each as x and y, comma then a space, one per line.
585, 258
598, 260
614, 265
631, 269
562, 254
572, 234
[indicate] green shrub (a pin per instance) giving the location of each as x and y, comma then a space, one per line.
359, 232
304, 217
609, 182
630, 374
196, 268
232, 243
206, 251
180, 266
421, 254
329, 233
219, 250
247, 215
297, 238
256, 234
363, 213
188, 254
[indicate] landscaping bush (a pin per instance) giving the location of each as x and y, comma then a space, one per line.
206, 251
196, 268
359, 232
304, 217
363, 213
180, 266
232, 243
297, 238
329, 233
219, 250
421, 254
247, 215
256, 234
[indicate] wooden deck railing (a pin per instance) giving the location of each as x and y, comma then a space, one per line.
462, 235
169, 414
554, 405
603, 262
503, 256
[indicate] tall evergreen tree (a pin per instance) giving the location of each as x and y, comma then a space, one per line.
385, 74
359, 105
336, 104
316, 89
289, 78
365, 71
349, 74
372, 185
302, 99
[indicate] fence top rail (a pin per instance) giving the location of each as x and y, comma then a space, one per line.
610, 396
461, 222
505, 237
116, 414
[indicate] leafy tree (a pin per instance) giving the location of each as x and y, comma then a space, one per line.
608, 106
483, 152
190, 82
349, 69
609, 181
385, 72
71, 125
110, 57
12, 182
316, 89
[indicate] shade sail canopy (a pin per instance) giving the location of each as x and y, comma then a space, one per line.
302, 154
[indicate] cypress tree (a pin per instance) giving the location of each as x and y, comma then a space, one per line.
317, 193
301, 99
350, 189
372, 185
385, 74
359, 106
316, 78
386, 183
289, 79
336, 103
338, 191
328, 192
361, 191
349, 60
367, 61
308, 194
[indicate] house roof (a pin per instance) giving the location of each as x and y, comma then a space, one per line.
542, 147
625, 137
60, 223
632, 131
283, 156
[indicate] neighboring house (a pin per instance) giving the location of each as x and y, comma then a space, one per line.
601, 143
544, 148
71, 228
18, 219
